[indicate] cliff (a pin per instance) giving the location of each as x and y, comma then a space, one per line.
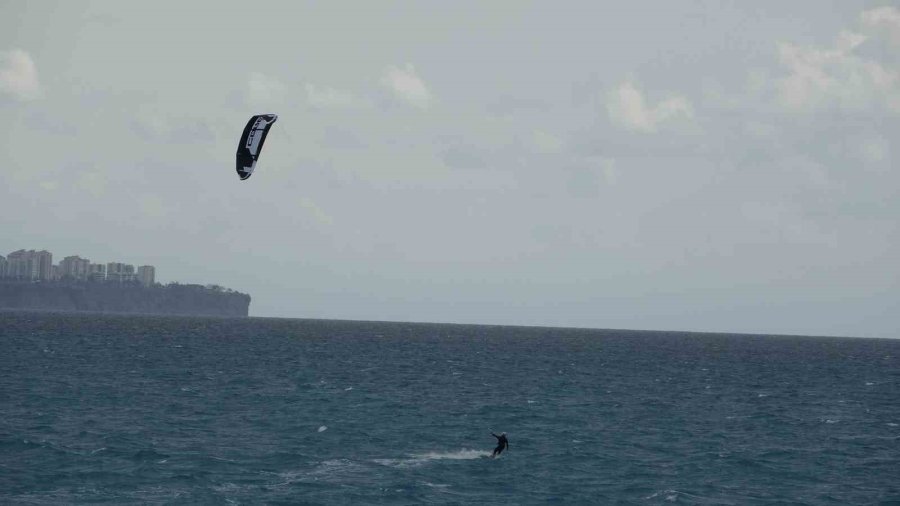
171, 299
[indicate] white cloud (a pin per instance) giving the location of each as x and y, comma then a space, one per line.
18, 75
884, 17
545, 142
626, 107
330, 98
407, 85
836, 77
265, 89
875, 150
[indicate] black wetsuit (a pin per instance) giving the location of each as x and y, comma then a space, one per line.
502, 444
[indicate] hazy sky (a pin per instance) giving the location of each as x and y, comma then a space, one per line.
713, 166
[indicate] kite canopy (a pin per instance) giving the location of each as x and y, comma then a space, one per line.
251, 143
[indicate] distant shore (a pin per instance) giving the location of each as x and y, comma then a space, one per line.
123, 298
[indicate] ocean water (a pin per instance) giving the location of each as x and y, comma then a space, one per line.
164, 410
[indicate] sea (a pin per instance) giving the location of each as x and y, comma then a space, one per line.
101, 409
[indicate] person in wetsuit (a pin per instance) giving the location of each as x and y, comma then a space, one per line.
502, 443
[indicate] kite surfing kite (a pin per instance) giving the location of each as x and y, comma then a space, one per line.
251, 143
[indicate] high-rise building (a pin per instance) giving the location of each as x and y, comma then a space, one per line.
146, 274
74, 267
44, 259
97, 272
4, 267
119, 272
30, 265
20, 264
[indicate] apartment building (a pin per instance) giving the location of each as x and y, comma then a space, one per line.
74, 267
119, 272
97, 272
30, 265
146, 274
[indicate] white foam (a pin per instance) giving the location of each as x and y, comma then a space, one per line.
322, 428
348, 389
869, 383
423, 458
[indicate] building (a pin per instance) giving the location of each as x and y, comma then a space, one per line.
119, 272
4, 266
44, 261
74, 267
21, 265
30, 265
97, 272
146, 274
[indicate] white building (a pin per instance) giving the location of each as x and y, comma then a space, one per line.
97, 272
74, 267
31, 265
119, 272
146, 274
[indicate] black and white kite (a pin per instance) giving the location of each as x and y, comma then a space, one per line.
251, 143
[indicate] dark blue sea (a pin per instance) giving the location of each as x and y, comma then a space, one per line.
166, 410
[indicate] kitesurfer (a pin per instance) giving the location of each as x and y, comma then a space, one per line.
502, 443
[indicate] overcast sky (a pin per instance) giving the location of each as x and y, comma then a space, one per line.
710, 166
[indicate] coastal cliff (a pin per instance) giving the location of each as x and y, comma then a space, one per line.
171, 299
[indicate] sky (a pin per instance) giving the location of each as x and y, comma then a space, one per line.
686, 165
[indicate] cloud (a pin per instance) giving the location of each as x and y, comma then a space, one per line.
407, 85
18, 75
330, 98
627, 109
875, 150
545, 142
265, 89
884, 17
836, 77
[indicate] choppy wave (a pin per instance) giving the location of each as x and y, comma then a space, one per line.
146, 410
